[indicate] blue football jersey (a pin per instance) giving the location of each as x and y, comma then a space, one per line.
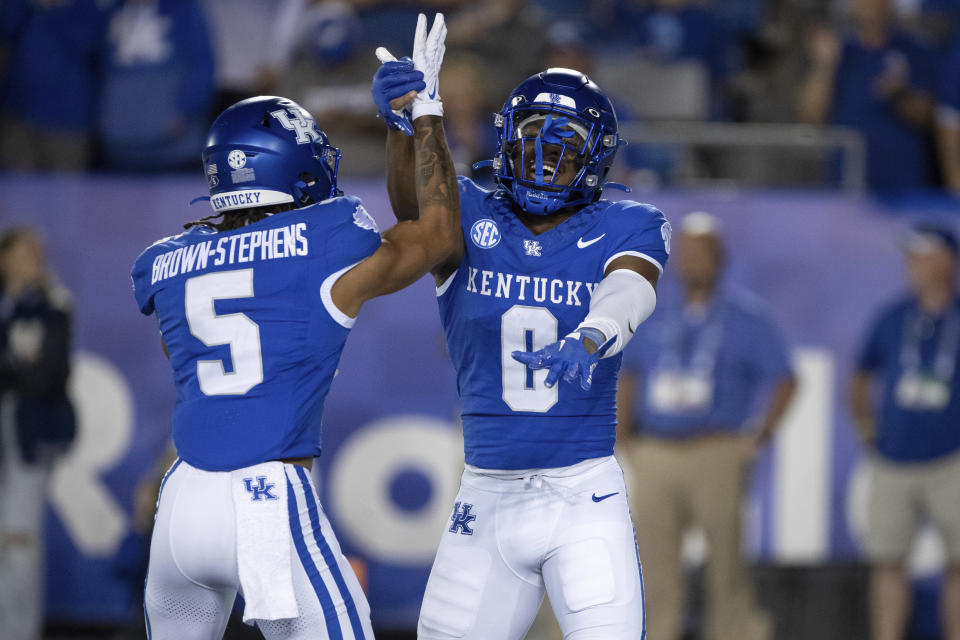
253, 336
518, 291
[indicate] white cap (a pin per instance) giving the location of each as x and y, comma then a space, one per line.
700, 223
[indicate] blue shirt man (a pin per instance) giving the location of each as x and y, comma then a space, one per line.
879, 81
690, 385
157, 53
911, 351
702, 367
898, 152
910, 355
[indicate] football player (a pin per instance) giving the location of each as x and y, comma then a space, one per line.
537, 304
254, 310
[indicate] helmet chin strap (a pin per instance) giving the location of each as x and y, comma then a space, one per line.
308, 192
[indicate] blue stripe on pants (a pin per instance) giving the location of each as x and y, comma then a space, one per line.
328, 554
329, 610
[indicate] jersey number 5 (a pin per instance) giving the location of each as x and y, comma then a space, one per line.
234, 329
526, 328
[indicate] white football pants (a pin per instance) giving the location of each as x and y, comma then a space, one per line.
193, 576
567, 531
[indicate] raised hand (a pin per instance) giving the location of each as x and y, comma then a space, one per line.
428, 50
395, 84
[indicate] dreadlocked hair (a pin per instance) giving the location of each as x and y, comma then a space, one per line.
239, 217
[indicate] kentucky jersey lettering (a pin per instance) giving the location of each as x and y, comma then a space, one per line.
253, 337
504, 297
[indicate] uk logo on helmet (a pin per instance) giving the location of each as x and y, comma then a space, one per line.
485, 233
298, 121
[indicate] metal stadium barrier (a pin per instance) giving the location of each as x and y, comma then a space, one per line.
786, 141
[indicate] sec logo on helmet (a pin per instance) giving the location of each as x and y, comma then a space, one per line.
236, 159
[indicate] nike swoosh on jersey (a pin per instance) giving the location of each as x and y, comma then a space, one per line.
597, 498
583, 245
433, 94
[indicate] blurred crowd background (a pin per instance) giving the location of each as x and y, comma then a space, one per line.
850, 93
793, 143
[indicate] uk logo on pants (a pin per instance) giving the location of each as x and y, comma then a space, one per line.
261, 490
461, 519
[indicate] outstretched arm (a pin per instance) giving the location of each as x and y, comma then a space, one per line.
624, 298
412, 248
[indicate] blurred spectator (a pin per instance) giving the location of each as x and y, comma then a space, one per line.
879, 81
467, 110
157, 86
49, 86
506, 34
910, 356
36, 422
690, 383
252, 41
948, 119
677, 31
567, 46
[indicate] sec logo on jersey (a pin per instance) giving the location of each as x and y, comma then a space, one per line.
485, 233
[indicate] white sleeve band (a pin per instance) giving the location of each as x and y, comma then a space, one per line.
621, 301
426, 108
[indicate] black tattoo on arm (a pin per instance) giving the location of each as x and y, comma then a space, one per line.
436, 179
438, 193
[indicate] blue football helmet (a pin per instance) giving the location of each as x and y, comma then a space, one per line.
557, 137
267, 151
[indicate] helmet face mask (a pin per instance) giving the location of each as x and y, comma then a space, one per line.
268, 151
557, 136
546, 149
559, 166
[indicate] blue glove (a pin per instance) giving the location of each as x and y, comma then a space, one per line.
394, 79
567, 358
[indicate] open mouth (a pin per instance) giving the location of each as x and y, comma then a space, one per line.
549, 170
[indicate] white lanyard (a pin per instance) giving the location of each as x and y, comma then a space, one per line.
927, 390
704, 357
676, 387
945, 359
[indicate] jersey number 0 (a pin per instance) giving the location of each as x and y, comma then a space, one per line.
526, 328
234, 329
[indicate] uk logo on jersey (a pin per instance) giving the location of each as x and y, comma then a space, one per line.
261, 490
485, 233
461, 519
532, 247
